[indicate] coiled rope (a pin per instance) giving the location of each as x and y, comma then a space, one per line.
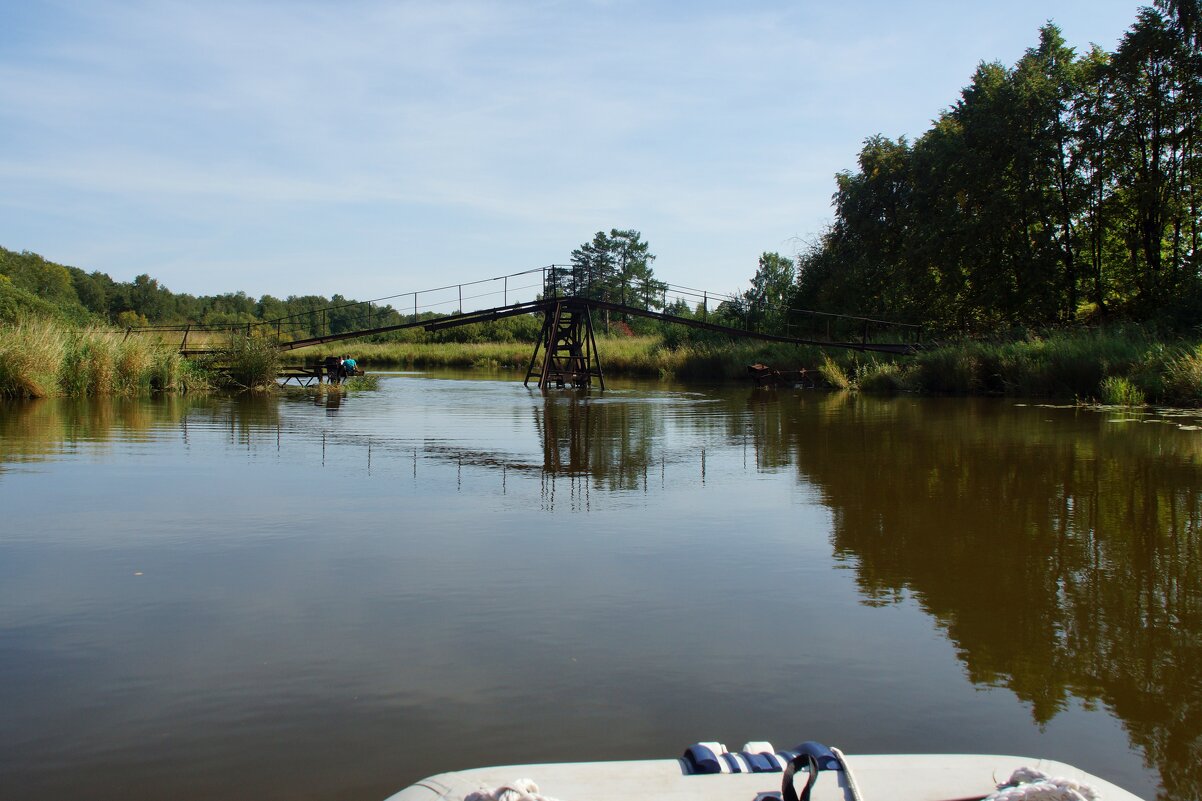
1028, 784
517, 790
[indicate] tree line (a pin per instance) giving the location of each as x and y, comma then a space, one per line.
30, 283
614, 266
1066, 188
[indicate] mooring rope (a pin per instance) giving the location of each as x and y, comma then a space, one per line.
517, 790
847, 774
1028, 784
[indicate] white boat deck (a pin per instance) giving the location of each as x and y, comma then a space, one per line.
890, 777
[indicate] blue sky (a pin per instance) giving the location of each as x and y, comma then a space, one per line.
372, 148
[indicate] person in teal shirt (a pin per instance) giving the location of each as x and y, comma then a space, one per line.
349, 366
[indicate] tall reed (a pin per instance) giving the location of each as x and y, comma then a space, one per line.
253, 362
30, 355
40, 358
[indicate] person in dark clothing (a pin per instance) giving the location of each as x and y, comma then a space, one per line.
333, 369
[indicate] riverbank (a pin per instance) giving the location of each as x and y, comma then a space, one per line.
42, 358
632, 356
1120, 366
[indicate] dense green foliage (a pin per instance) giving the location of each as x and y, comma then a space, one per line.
1066, 188
614, 267
31, 285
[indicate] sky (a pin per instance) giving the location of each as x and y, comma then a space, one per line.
291, 147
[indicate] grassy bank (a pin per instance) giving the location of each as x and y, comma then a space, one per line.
638, 356
1121, 366
42, 358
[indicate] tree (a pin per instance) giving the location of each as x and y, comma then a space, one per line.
148, 299
1187, 18
1061, 180
1154, 78
615, 267
767, 300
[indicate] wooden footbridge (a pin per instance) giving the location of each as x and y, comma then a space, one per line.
566, 302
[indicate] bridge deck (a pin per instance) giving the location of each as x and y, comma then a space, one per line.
548, 304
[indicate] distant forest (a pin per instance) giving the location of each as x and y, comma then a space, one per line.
31, 284
1065, 189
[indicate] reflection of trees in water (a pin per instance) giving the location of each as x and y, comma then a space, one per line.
613, 442
1062, 558
39, 429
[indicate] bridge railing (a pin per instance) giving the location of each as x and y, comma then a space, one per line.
729, 310
408, 307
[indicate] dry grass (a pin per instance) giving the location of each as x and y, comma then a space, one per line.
39, 358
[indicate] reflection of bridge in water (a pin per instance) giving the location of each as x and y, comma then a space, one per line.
585, 444
1062, 562
566, 301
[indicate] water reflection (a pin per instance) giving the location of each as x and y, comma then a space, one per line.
1057, 549
586, 435
1059, 552
40, 430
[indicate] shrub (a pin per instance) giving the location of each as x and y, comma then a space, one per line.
949, 370
254, 362
833, 373
881, 378
1183, 378
1118, 391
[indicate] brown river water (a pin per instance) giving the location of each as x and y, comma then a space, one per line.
332, 596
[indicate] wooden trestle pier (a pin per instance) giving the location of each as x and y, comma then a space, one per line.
570, 356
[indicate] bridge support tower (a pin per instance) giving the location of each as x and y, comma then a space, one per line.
569, 349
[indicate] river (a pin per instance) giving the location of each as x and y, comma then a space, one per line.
330, 596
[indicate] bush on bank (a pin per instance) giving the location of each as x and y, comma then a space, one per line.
1122, 367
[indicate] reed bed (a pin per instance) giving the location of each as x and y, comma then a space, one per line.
1121, 367
252, 363
636, 356
40, 358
